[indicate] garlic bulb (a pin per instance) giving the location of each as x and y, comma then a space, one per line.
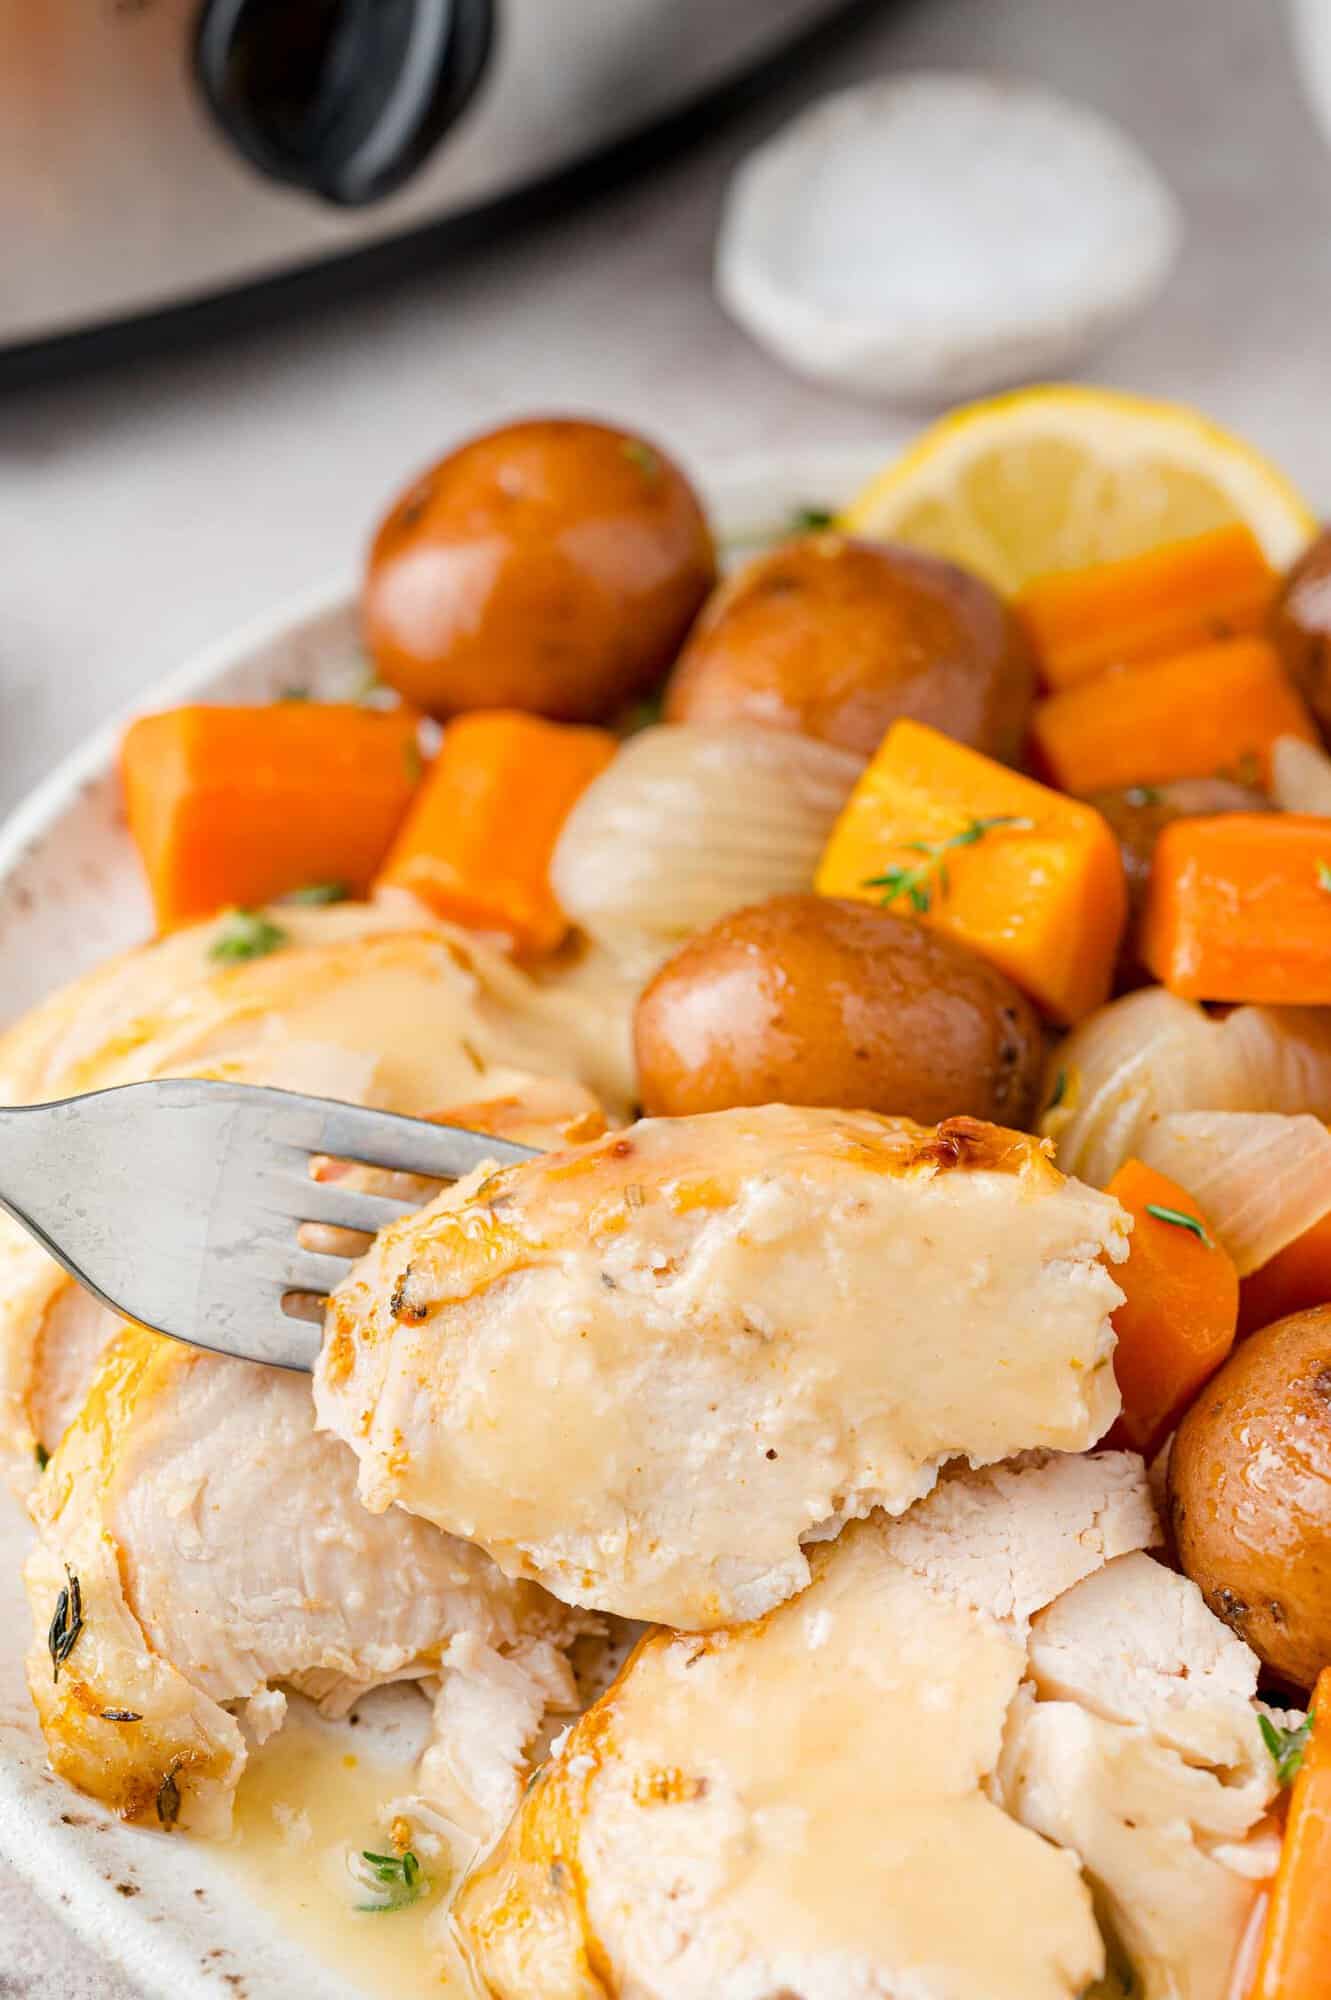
1151, 1054
1259, 1179
689, 823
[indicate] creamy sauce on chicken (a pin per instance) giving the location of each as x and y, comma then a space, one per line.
312, 1798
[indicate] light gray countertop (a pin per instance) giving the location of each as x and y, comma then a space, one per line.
143, 514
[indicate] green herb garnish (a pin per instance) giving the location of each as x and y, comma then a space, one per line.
1143, 795
644, 714
400, 1874
811, 520
1180, 1221
295, 694
642, 455
1286, 1745
246, 934
929, 877
121, 1715
318, 892
66, 1624
1059, 1091
42, 1455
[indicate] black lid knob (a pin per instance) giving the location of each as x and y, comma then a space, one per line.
343, 97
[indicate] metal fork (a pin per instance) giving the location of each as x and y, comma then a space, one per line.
177, 1203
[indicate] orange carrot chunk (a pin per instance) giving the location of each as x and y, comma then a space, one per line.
1195, 715
1297, 1277
1028, 879
476, 846
1180, 1306
243, 805
1295, 1962
1171, 599
1238, 907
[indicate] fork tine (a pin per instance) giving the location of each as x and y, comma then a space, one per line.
409, 1145
304, 1200
294, 1269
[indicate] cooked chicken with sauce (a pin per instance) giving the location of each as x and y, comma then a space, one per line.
646, 1370
832, 1801
220, 1553
379, 1008
819, 1387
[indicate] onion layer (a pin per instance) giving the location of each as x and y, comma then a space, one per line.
1259, 1179
688, 824
1150, 1055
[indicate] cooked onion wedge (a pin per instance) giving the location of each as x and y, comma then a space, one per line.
1259, 1179
1150, 1054
690, 823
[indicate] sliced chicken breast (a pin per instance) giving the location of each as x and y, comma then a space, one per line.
1136, 1746
798, 1806
360, 1004
219, 1550
644, 1371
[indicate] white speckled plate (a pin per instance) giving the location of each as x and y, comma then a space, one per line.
165, 1909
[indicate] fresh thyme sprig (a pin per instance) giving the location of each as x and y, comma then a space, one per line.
1286, 1746
400, 1874
1181, 1221
66, 1624
930, 877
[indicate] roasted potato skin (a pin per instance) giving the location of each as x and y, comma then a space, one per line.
1250, 1494
1301, 627
553, 566
1137, 816
838, 638
822, 1001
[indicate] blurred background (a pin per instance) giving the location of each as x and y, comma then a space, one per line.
167, 479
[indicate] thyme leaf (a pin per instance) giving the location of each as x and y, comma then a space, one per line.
66, 1624
1286, 1746
400, 1874
315, 893
811, 520
42, 1455
246, 934
1180, 1221
919, 884
1059, 1091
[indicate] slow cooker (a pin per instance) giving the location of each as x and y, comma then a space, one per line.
157, 154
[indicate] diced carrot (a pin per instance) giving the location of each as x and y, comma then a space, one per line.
1238, 907
1195, 715
1180, 1306
1297, 1277
242, 805
477, 845
1186, 594
1295, 1962
1030, 880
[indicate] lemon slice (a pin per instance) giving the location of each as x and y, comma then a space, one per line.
1057, 478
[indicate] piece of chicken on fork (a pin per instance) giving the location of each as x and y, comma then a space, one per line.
647, 1370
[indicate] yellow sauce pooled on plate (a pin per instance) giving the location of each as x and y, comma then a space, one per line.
311, 1799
